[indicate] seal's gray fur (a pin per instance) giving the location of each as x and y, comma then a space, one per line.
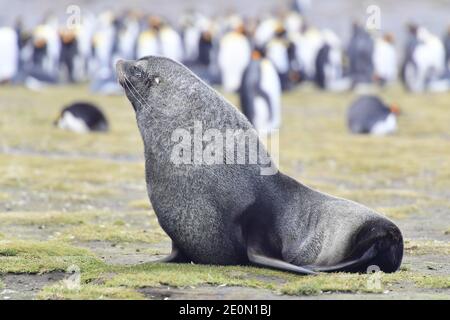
231, 214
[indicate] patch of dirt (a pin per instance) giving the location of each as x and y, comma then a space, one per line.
436, 265
426, 225
211, 293
26, 286
127, 254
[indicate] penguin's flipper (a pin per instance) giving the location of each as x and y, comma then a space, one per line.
262, 260
348, 266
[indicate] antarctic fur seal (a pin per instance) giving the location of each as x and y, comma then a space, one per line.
231, 214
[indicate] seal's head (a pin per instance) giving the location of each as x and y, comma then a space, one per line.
157, 86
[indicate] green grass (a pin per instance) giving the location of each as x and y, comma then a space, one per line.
88, 176
133, 278
142, 204
39, 257
115, 232
342, 283
38, 218
38, 110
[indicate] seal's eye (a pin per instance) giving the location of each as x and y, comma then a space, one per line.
137, 72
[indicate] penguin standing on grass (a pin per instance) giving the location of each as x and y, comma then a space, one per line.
329, 73
233, 57
69, 52
260, 94
360, 55
447, 50
424, 65
9, 54
278, 52
370, 115
82, 117
385, 60
148, 43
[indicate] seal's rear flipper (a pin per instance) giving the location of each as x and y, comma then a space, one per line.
268, 262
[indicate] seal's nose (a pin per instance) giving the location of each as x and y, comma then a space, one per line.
119, 63
120, 70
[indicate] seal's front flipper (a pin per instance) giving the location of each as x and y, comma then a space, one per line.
176, 256
264, 261
355, 265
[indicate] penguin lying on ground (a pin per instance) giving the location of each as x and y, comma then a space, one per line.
369, 115
82, 117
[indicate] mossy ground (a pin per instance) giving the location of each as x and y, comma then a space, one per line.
68, 199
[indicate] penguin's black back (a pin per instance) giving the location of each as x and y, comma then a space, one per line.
321, 61
447, 48
365, 112
360, 53
249, 86
90, 114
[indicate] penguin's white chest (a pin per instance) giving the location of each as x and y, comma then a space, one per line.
69, 122
261, 121
384, 127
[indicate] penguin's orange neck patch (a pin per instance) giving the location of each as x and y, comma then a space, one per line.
256, 55
395, 109
39, 43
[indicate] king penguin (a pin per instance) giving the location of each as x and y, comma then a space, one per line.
260, 94
370, 115
233, 58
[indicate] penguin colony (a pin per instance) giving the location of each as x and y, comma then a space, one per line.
219, 50
256, 58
